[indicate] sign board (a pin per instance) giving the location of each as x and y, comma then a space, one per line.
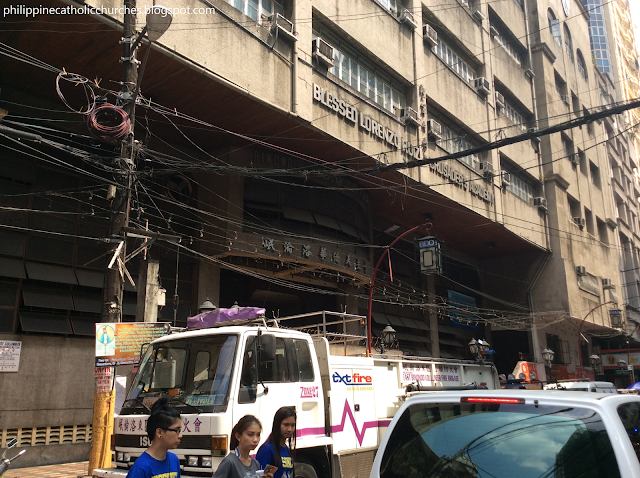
589, 283
10, 355
629, 367
462, 310
610, 360
119, 343
104, 378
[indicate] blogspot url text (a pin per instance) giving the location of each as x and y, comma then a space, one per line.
32, 12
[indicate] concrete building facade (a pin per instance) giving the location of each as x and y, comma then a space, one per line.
288, 143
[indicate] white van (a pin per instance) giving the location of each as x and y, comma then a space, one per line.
582, 386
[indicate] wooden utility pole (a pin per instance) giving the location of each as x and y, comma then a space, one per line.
100, 456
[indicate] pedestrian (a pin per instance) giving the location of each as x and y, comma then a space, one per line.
164, 429
245, 437
280, 445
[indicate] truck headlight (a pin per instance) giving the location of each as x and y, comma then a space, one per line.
119, 456
206, 461
192, 461
126, 457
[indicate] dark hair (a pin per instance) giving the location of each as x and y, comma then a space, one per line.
162, 416
282, 414
244, 423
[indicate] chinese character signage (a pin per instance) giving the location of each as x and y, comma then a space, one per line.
119, 343
10, 355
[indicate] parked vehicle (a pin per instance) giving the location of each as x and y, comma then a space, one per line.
6, 462
582, 386
512, 433
216, 375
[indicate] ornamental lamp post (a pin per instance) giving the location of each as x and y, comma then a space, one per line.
388, 336
547, 356
595, 361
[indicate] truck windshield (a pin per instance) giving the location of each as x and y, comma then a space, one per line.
194, 374
462, 440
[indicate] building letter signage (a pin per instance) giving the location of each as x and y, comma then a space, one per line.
365, 123
446, 171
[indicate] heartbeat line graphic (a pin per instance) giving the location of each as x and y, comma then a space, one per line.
340, 428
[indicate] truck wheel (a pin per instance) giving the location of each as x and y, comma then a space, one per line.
304, 470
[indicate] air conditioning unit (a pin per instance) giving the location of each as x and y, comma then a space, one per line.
464, 3
574, 159
479, 16
606, 284
407, 17
410, 116
505, 178
429, 35
482, 86
499, 100
434, 129
493, 31
565, 99
323, 52
581, 270
540, 203
487, 169
580, 222
283, 26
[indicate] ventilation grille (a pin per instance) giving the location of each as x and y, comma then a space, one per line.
62, 435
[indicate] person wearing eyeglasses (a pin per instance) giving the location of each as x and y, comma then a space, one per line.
164, 429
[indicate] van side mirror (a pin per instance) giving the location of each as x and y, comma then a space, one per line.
267, 345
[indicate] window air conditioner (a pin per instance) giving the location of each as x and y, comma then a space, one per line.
493, 31
505, 177
487, 169
565, 99
283, 26
499, 100
606, 284
574, 159
581, 270
540, 203
407, 17
434, 129
323, 52
410, 116
479, 16
580, 222
482, 86
429, 35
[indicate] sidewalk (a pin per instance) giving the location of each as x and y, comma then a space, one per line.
65, 470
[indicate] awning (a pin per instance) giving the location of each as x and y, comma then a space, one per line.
84, 325
90, 278
12, 268
51, 273
87, 302
50, 323
47, 298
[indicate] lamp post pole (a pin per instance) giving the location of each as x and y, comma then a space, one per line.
373, 281
632, 376
580, 334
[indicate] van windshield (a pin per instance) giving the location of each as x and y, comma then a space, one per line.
194, 374
463, 440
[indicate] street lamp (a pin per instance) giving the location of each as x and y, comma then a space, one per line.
547, 356
622, 364
388, 336
206, 306
580, 335
595, 361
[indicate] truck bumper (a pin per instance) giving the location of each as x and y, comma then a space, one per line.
110, 473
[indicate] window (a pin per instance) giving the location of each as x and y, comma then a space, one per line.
582, 158
447, 439
629, 414
520, 185
590, 127
568, 43
561, 88
514, 116
567, 147
508, 43
455, 61
305, 363
603, 233
555, 344
392, 5
595, 175
574, 208
554, 26
349, 68
588, 217
453, 141
258, 9
582, 67
598, 35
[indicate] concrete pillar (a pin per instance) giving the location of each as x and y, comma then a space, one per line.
208, 283
147, 304
433, 316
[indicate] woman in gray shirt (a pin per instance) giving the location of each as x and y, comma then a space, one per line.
245, 437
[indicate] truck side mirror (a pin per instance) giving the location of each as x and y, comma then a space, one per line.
267, 344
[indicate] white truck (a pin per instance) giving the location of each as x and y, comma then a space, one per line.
214, 376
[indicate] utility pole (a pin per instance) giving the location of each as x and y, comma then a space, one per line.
100, 456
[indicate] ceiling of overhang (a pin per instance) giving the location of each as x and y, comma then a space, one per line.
86, 46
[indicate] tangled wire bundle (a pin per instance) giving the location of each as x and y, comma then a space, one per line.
108, 121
